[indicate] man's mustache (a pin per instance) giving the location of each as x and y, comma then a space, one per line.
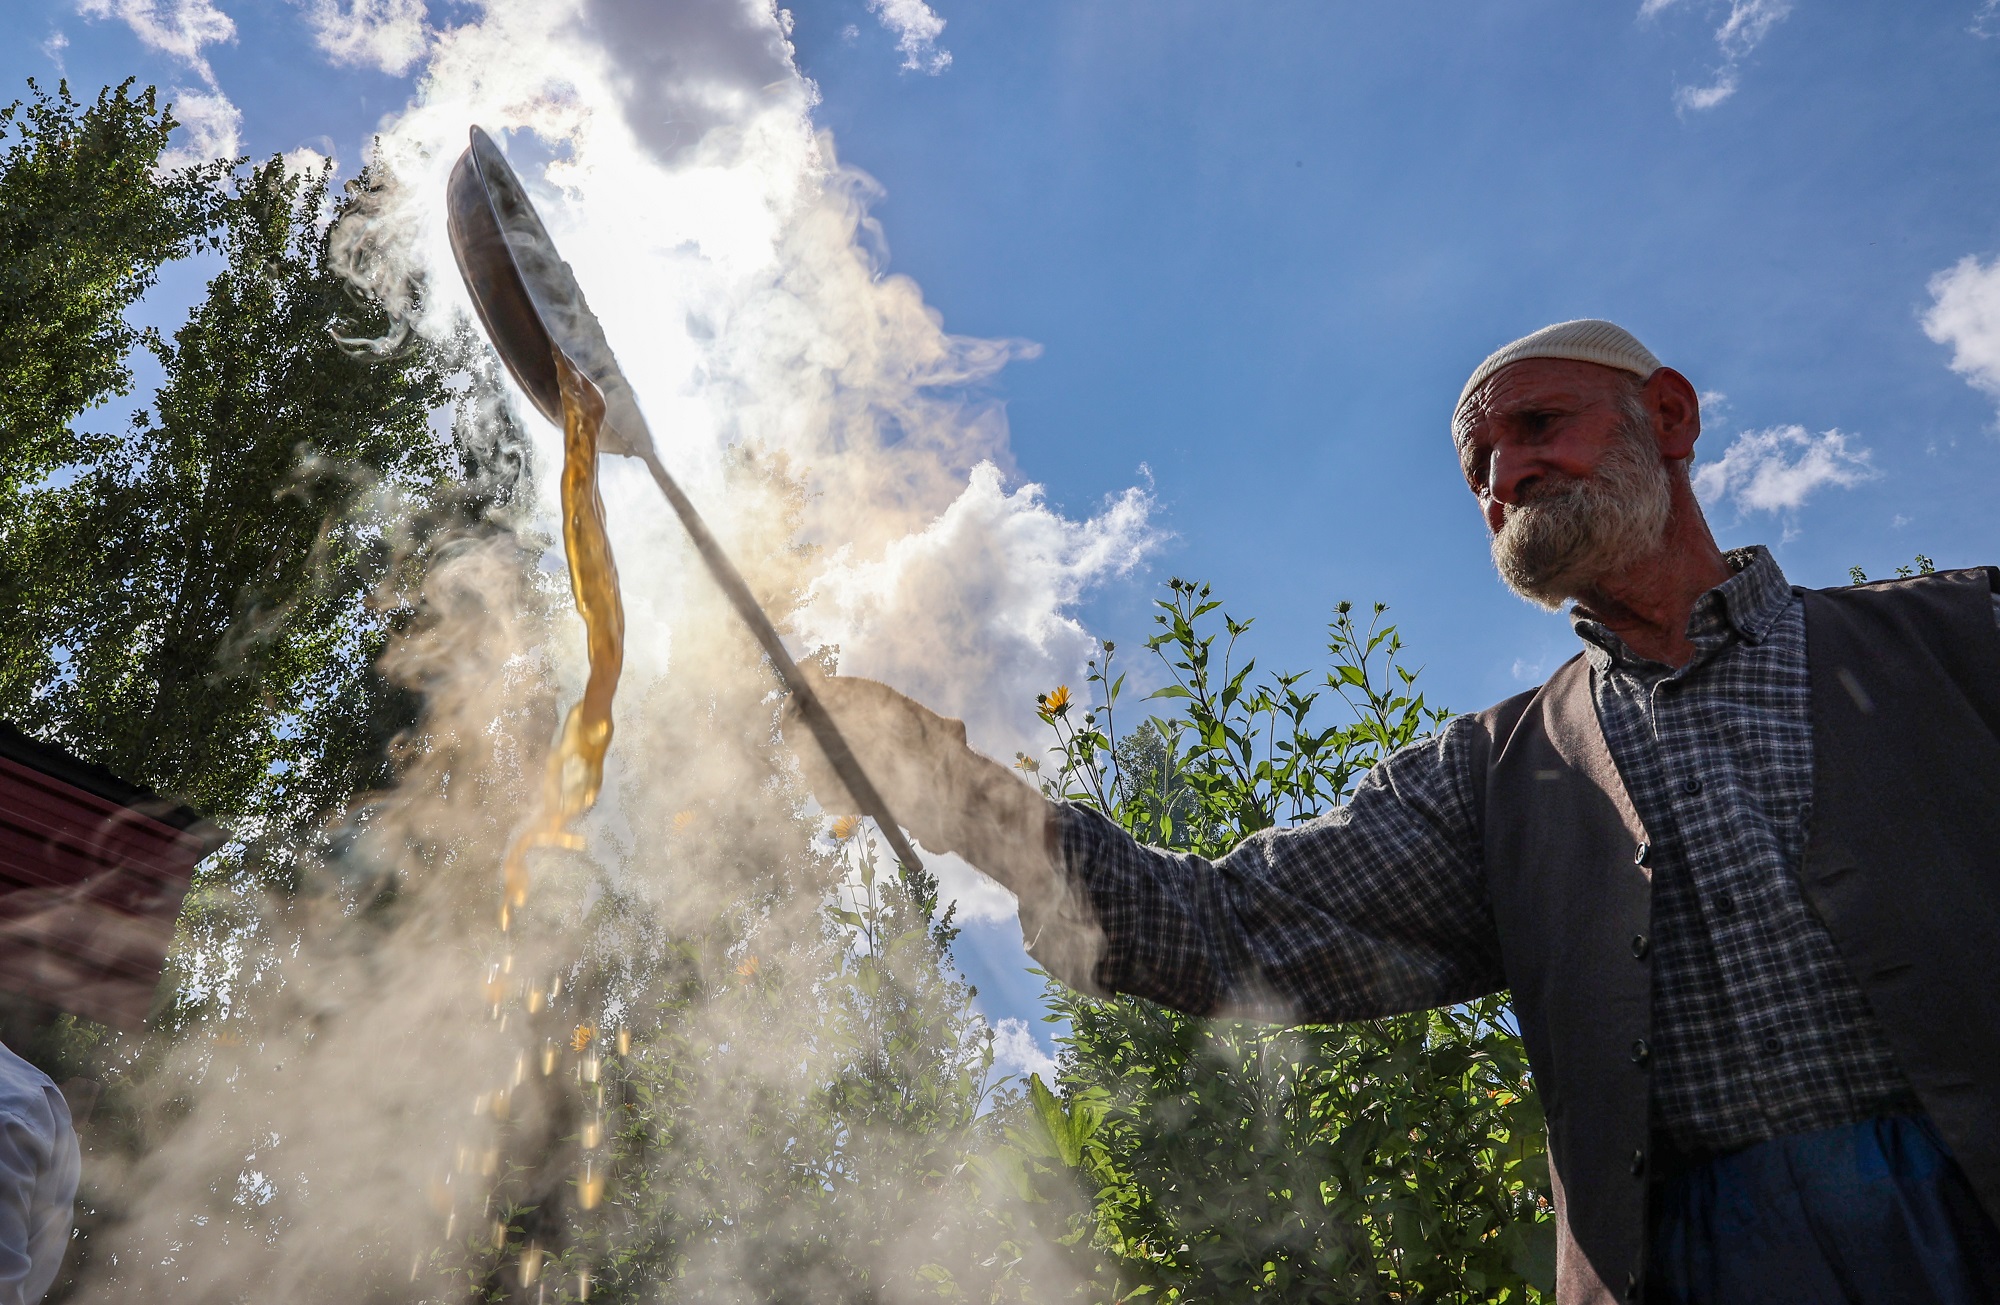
1542, 490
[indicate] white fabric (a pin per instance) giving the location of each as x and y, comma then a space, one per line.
39, 1168
1587, 339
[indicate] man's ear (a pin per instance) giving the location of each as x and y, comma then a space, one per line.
1676, 411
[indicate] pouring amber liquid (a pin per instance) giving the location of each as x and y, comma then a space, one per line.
575, 772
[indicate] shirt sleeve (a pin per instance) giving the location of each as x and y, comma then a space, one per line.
38, 1179
1376, 908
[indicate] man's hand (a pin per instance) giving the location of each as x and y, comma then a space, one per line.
948, 796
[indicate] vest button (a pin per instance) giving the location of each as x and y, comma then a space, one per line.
1774, 1044
1640, 855
1641, 1053
1641, 944
1638, 1163
1725, 904
1690, 786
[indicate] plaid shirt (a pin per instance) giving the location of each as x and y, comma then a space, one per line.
1380, 906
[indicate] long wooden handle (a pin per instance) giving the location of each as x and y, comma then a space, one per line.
831, 741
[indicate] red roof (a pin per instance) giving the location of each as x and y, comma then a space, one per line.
92, 873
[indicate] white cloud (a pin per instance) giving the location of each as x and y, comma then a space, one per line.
1749, 22
53, 48
213, 125
1986, 22
1706, 97
1741, 32
179, 28
1965, 314
303, 160
385, 34
917, 28
1015, 1051
991, 581
1778, 469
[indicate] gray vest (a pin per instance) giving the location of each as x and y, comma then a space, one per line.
1902, 862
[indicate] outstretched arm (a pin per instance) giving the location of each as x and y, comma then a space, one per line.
1376, 908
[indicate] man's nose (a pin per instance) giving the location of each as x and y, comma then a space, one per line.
1509, 474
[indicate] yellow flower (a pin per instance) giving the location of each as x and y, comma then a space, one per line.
682, 819
748, 969
1055, 704
584, 1035
1026, 764
845, 828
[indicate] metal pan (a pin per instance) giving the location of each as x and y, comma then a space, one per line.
531, 306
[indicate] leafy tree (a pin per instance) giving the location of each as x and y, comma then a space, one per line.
87, 218
200, 605
1399, 1159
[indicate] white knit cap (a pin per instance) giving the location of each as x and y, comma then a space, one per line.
1586, 340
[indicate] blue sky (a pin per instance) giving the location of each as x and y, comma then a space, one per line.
1263, 251
1260, 247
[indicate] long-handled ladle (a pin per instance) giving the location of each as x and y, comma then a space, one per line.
531, 306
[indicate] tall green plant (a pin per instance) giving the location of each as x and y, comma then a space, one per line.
1388, 1160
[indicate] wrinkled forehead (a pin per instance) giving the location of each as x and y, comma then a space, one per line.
1539, 385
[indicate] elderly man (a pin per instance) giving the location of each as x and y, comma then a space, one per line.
1736, 861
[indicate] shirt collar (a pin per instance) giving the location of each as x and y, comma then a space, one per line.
1748, 603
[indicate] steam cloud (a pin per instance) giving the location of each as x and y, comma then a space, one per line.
803, 396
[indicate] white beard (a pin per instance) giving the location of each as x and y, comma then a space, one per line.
1573, 533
